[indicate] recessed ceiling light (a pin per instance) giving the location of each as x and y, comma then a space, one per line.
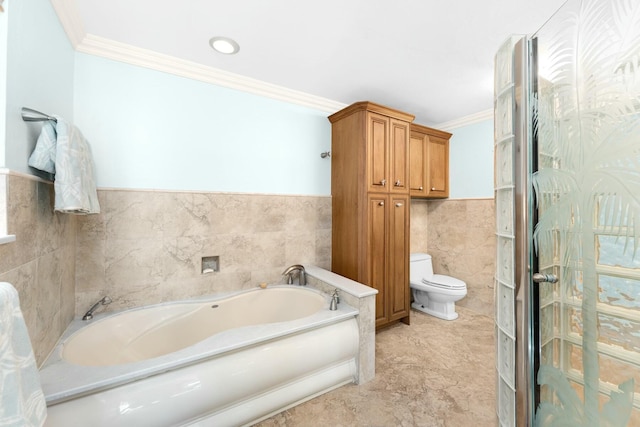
224, 45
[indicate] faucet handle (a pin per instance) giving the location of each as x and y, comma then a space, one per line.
336, 296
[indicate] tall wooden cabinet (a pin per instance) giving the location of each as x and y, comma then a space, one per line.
429, 170
370, 203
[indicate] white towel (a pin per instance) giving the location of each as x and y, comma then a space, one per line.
22, 402
62, 149
44, 155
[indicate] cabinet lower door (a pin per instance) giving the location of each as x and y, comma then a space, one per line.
398, 259
388, 256
376, 254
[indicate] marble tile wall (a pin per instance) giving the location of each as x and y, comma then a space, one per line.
40, 264
460, 236
146, 246
418, 226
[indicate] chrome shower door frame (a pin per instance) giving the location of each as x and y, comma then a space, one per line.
526, 298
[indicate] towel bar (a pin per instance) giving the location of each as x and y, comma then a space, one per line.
31, 115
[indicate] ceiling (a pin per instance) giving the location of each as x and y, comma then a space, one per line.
431, 58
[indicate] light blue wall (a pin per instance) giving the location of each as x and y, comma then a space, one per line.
471, 161
39, 75
152, 130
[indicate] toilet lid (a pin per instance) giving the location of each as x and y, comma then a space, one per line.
445, 282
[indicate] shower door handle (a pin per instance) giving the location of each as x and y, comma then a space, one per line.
542, 278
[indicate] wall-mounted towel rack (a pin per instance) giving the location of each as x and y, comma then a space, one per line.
31, 115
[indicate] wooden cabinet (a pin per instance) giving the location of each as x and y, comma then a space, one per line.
429, 167
370, 203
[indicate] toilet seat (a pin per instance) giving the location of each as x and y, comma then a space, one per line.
445, 282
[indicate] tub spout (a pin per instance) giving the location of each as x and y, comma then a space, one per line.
89, 314
288, 274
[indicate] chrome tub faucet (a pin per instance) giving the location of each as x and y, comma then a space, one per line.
89, 314
335, 300
288, 274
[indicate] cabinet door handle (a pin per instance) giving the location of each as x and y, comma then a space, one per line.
398, 205
419, 188
544, 278
380, 203
398, 183
383, 182
433, 188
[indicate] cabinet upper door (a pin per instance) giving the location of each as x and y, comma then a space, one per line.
438, 167
377, 137
399, 157
387, 154
418, 164
429, 162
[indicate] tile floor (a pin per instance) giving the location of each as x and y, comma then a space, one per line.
431, 373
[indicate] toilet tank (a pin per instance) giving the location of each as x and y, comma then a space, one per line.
420, 267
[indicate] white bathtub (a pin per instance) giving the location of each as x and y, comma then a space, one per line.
221, 361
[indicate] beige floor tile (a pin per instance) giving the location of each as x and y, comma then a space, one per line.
431, 373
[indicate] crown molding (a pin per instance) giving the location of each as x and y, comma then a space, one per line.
70, 19
466, 120
122, 52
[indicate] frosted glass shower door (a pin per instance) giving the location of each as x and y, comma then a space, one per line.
567, 147
585, 96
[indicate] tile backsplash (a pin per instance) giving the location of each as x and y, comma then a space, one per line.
146, 247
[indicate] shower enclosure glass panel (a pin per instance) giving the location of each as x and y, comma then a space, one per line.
586, 111
573, 356
505, 286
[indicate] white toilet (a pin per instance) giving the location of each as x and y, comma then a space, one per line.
434, 294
